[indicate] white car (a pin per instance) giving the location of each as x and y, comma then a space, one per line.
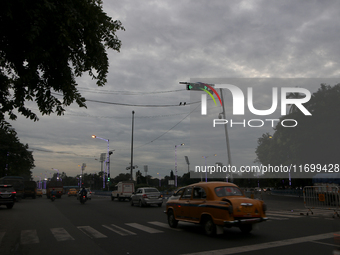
147, 196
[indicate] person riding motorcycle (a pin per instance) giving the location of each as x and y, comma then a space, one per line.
53, 193
83, 192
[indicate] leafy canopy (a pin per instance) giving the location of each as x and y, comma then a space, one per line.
45, 45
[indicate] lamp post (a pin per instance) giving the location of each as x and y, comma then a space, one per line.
206, 175
160, 180
57, 173
176, 162
131, 164
107, 160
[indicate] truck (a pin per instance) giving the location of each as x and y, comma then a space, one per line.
123, 190
57, 186
30, 189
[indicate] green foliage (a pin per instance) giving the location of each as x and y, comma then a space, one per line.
15, 159
45, 45
315, 140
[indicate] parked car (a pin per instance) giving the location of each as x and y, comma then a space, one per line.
89, 193
72, 192
7, 195
215, 205
147, 196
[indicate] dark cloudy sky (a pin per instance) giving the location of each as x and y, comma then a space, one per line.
167, 42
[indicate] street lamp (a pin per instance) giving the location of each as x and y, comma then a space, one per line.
107, 160
57, 173
160, 180
206, 176
176, 162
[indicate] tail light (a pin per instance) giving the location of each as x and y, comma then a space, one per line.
14, 192
145, 196
160, 196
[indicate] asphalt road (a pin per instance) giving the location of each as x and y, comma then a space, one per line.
101, 226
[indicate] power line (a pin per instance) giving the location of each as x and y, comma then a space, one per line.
135, 105
127, 93
169, 129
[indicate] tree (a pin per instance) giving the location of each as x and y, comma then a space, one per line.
45, 45
315, 140
15, 158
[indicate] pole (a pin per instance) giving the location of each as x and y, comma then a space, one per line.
108, 163
175, 165
226, 136
131, 178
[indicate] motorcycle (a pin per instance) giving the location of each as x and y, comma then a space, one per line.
82, 199
52, 198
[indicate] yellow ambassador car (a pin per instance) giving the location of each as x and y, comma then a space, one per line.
215, 205
72, 192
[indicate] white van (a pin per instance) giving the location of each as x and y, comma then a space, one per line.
123, 190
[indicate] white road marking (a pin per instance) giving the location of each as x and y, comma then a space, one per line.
61, 234
276, 218
119, 230
91, 232
163, 225
262, 246
282, 214
143, 228
29, 236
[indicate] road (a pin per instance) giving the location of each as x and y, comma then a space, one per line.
101, 226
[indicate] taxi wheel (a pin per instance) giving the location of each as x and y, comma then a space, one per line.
246, 228
172, 220
209, 227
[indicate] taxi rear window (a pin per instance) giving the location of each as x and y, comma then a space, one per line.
228, 191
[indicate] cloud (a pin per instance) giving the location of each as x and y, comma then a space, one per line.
166, 42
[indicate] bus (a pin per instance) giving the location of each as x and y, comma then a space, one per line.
17, 182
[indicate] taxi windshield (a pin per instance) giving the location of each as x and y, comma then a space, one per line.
228, 191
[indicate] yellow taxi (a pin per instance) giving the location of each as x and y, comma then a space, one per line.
39, 193
215, 205
72, 192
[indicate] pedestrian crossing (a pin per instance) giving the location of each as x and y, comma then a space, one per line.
60, 234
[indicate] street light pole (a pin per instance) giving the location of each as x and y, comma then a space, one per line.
226, 137
131, 166
176, 162
206, 170
107, 159
57, 173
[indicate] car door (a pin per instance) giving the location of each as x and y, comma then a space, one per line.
184, 208
197, 202
136, 196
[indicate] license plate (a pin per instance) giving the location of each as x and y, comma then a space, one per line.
247, 209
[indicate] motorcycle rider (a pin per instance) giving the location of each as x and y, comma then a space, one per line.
53, 193
83, 192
